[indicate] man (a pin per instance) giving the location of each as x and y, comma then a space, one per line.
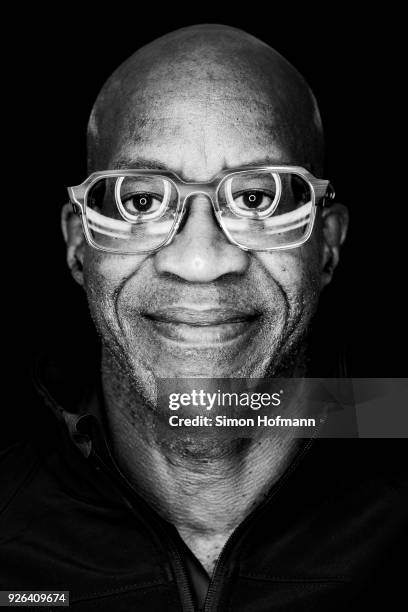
188, 281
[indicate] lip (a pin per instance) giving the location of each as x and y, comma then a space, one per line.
201, 325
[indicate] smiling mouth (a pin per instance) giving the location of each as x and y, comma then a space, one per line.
202, 326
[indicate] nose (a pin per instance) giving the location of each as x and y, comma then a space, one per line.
200, 253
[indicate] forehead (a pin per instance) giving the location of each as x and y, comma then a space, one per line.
185, 133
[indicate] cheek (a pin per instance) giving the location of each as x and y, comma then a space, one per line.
104, 274
297, 271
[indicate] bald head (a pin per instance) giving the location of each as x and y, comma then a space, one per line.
187, 84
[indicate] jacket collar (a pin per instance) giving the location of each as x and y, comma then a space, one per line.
76, 405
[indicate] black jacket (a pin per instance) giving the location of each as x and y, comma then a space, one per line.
331, 534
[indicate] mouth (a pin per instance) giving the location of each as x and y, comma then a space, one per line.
202, 325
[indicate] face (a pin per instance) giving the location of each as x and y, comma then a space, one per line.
201, 306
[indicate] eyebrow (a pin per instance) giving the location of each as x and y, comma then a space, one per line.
140, 163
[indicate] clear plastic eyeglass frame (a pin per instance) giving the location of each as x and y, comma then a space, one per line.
321, 192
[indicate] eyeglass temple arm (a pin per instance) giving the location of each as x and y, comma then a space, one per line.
327, 198
76, 195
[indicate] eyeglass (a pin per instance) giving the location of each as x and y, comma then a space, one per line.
259, 208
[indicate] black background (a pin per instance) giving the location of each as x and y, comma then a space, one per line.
53, 68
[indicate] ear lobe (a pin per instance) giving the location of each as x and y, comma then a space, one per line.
74, 237
335, 221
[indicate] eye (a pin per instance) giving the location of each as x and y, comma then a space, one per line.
138, 203
253, 200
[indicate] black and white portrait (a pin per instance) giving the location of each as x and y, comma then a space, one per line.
204, 393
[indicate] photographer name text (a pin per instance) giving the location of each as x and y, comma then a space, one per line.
224, 421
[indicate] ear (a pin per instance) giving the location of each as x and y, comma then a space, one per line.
334, 219
74, 237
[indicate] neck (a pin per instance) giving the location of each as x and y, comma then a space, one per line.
203, 485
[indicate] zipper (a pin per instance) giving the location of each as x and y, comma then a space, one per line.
172, 550
233, 541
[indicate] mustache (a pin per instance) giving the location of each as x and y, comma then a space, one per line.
158, 296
